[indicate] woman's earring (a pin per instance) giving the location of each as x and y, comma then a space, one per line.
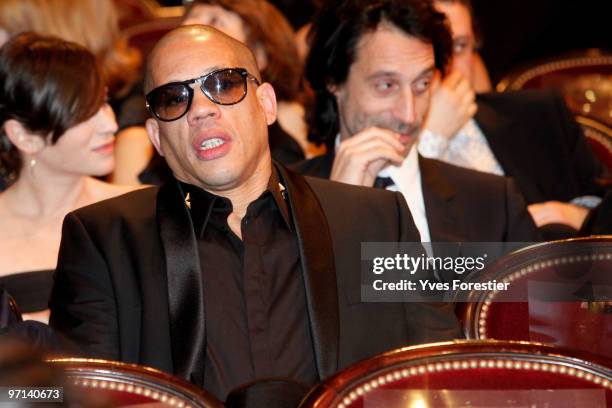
31, 166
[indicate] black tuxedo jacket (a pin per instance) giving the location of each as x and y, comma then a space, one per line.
128, 284
461, 205
538, 143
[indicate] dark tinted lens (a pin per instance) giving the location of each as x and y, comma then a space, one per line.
169, 101
225, 87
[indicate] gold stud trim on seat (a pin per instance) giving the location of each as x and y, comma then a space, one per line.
367, 387
131, 389
483, 313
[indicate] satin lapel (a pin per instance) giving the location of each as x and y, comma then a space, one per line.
319, 270
185, 288
438, 194
500, 132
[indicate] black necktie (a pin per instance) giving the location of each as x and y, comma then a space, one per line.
383, 182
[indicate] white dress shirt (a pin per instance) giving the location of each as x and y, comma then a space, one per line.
407, 179
468, 148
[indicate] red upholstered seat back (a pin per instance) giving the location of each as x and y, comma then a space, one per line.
556, 295
584, 79
600, 138
110, 383
475, 374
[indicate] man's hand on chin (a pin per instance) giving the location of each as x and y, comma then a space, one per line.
452, 105
359, 158
556, 212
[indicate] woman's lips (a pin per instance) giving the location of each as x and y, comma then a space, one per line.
106, 148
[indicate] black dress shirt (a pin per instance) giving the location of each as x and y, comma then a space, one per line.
254, 297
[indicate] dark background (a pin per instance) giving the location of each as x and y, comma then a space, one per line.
515, 31
518, 31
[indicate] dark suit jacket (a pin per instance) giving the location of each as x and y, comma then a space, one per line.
599, 221
538, 143
128, 282
460, 204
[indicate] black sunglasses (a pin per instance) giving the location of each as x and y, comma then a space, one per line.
226, 86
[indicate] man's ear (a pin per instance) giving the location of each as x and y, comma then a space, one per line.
153, 132
267, 100
27, 142
333, 89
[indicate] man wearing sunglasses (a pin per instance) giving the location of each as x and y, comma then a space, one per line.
238, 269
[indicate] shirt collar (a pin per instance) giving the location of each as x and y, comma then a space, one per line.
406, 173
201, 202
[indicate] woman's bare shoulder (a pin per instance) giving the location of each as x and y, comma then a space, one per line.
100, 190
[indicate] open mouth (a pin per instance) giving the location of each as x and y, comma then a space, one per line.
211, 143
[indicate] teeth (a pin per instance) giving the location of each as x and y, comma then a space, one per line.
211, 143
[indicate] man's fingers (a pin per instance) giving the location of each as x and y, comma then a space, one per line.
538, 213
360, 164
373, 135
368, 151
463, 87
452, 80
472, 109
436, 82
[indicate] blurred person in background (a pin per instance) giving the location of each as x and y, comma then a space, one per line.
529, 136
467, 41
263, 28
17, 16
94, 24
56, 131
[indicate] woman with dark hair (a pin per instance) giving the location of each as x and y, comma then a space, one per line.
95, 25
56, 130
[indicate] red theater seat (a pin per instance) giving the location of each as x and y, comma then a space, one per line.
584, 78
472, 374
111, 383
560, 292
599, 137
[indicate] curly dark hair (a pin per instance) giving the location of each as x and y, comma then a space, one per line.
48, 85
333, 39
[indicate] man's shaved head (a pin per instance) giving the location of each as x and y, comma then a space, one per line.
202, 36
218, 147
